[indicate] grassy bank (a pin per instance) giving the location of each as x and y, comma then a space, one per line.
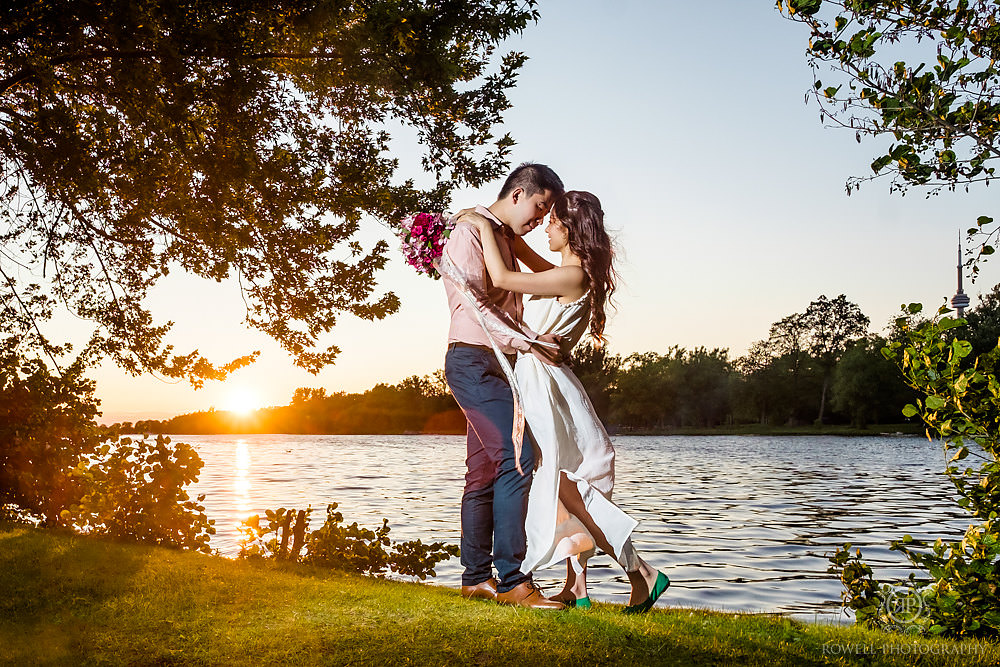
70, 600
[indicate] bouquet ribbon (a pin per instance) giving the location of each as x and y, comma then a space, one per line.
492, 324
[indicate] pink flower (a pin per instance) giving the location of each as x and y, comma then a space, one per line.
422, 239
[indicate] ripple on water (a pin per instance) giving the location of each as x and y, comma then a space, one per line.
738, 522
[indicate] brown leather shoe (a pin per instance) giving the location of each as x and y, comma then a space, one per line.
528, 594
486, 590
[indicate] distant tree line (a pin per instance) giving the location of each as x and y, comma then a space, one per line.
415, 405
819, 366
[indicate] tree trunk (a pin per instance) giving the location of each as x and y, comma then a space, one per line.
298, 535
285, 529
822, 399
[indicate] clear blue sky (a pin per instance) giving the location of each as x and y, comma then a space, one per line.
725, 191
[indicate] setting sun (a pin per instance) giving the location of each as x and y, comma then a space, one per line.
242, 401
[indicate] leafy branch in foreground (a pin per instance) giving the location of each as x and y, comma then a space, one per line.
233, 141
337, 546
940, 106
62, 469
958, 593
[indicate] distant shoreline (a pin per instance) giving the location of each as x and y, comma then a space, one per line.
877, 430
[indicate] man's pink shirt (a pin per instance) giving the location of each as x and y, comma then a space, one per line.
465, 248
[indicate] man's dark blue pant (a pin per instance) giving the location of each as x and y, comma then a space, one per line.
495, 499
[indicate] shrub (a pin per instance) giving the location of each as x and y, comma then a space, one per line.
336, 546
61, 468
134, 491
957, 592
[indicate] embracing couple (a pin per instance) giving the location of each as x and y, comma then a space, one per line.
540, 465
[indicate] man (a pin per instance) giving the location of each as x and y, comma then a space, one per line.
495, 499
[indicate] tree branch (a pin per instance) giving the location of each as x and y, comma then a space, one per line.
30, 72
31, 318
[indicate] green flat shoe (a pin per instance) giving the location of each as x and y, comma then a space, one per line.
576, 603
661, 585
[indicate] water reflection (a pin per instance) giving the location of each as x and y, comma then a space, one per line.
241, 481
739, 523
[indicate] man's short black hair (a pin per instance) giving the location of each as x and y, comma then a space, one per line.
532, 178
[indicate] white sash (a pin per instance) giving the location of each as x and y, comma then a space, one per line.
492, 324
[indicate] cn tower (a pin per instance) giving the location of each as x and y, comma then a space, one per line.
961, 300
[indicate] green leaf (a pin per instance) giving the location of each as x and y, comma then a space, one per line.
909, 410
804, 7
935, 403
961, 348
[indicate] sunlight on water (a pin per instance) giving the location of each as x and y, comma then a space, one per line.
241, 480
738, 522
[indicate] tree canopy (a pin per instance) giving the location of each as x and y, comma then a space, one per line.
940, 106
231, 140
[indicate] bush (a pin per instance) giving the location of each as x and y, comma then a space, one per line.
957, 593
134, 491
47, 429
61, 468
336, 546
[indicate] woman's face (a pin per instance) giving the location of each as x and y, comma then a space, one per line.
557, 233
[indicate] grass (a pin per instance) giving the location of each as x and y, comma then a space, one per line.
74, 600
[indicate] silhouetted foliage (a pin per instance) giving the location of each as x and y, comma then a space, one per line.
642, 393
334, 545
779, 382
597, 370
681, 388
231, 140
832, 326
60, 467
866, 386
798, 359
982, 328
415, 405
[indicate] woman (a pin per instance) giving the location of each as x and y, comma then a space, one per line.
570, 510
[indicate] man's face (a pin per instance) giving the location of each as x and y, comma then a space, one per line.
529, 211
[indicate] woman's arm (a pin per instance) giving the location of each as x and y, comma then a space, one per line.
557, 281
531, 259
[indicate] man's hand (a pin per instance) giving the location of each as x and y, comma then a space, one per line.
552, 356
480, 221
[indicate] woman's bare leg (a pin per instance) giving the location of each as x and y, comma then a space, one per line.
642, 579
575, 587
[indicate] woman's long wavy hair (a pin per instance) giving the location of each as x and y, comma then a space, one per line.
581, 213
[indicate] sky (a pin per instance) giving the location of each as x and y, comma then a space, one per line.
723, 189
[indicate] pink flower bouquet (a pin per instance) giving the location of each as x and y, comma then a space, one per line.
423, 236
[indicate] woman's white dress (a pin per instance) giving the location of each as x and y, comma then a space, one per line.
571, 439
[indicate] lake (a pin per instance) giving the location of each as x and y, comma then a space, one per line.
739, 523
